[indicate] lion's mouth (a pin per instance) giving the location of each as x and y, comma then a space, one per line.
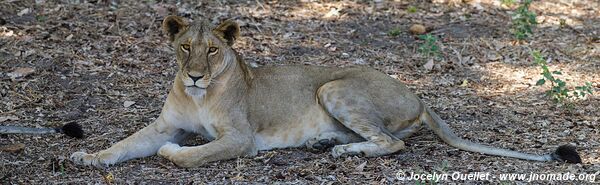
195, 90
195, 86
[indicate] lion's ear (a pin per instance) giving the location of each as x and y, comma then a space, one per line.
228, 30
172, 25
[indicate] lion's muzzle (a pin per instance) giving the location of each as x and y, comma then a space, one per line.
196, 81
195, 91
195, 78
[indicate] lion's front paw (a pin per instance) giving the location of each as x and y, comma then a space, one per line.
100, 159
168, 150
172, 152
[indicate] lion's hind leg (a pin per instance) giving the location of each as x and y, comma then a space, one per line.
353, 108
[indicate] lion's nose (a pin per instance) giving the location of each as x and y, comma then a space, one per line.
195, 78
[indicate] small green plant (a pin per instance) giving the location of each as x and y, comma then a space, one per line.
40, 18
62, 169
563, 23
467, 15
523, 20
412, 9
582, 91
394, 32
508, 2
429, 48
443, 167
559, 91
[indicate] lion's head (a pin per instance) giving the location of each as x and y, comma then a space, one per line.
203, 51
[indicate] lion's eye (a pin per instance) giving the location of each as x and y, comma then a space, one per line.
185, 47
212, 50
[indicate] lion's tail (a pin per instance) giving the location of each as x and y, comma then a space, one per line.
69, 129
565, 153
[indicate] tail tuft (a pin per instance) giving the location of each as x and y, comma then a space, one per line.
72, 129
567, 153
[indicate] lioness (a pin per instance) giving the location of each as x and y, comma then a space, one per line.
357, 111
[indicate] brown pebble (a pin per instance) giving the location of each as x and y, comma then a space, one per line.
417, 29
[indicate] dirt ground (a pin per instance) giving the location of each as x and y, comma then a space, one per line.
83, 62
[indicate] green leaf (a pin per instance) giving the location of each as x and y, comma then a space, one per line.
548, 76
540, 82
557, 72
544, 68
556, 89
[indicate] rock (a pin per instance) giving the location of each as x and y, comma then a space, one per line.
429, 65
128, 103
24, 11
417, 29
345, 55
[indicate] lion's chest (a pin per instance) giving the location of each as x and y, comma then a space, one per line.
199, 121
204, 125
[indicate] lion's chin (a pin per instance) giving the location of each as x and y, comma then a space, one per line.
195, 91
